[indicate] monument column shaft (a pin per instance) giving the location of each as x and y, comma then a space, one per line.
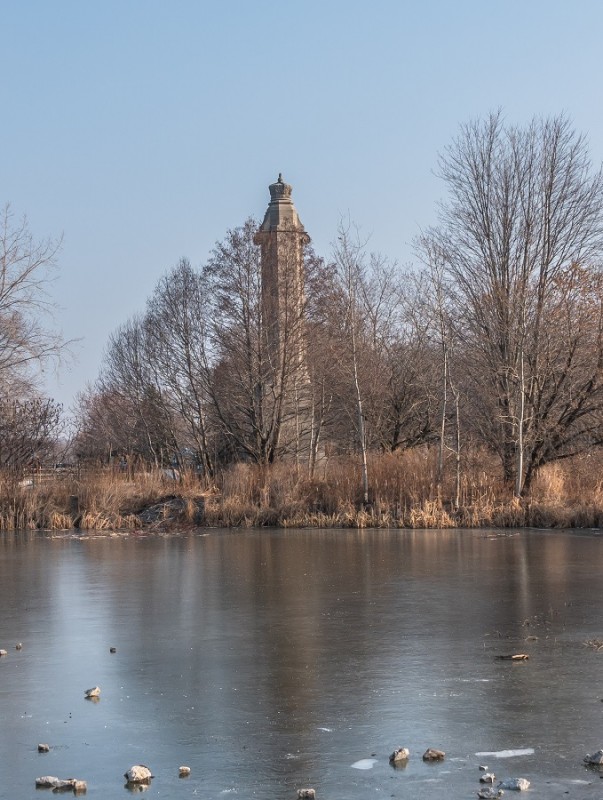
282, 239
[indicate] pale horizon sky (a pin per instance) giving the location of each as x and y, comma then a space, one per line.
143, 131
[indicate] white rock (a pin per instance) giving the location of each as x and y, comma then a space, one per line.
138, 774
47, 781
399, 754
67, 783
3, 652
94, 692
184, 771
488, 777
515, 784
306, 794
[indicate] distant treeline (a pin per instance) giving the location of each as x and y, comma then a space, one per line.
489, 353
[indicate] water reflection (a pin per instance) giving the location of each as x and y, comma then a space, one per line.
271, 660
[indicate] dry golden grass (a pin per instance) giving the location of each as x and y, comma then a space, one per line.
96, 499
402, 494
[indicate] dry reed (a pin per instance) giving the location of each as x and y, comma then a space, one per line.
403, 494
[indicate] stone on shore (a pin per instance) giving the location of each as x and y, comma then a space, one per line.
431, 754
400, 754
138, 774
184, 772
61, 784
515, 784
595, 758
3, 653
94, 692
488, 777
46, 781
489, 793
43, 748
64, 785
306, 794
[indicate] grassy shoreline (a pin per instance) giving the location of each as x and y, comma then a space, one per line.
402, 496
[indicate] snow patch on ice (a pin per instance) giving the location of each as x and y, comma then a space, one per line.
364, 763
527, 751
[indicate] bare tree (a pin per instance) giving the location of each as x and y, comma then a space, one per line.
29, 430
395, 358
103, 425
563, 401
129, 385
321, 303
26, 269
29, 423
432, 303
177, 326
349, 257
381, 364
524, 205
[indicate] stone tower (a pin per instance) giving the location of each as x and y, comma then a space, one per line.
282, 239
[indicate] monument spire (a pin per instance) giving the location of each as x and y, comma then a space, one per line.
281, 213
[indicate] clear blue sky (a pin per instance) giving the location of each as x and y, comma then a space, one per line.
143, 130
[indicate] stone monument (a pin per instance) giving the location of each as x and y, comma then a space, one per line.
282, 239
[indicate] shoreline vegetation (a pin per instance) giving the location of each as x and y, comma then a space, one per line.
566, 494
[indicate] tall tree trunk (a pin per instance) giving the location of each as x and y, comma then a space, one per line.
440, 464
520, 424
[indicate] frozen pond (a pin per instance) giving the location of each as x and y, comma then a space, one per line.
269, 661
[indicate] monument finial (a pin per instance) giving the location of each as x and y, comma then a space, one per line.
281, 214
279, 190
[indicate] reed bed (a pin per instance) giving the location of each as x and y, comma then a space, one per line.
403, 494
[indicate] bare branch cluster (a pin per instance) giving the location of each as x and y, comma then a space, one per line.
29, 423
520, 239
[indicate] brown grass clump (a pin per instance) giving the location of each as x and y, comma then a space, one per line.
550, 484
430, 514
